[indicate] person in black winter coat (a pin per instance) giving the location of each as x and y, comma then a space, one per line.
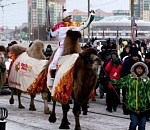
128, 64
48, 52
103, 54
126, 67
134, 48
101, 84
125, 52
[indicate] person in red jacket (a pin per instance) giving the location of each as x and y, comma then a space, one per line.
112, 70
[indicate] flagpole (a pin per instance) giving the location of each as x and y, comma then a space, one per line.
47, 20
132, 21
46, 13
88, 16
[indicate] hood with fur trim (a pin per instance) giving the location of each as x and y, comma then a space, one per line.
144, 75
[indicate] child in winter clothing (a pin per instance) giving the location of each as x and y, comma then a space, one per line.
137, 86
113, 69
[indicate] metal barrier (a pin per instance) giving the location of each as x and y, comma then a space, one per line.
3, 116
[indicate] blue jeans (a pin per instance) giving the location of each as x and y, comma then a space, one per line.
137, 120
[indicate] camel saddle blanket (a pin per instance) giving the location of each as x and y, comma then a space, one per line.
62, 87
27, 74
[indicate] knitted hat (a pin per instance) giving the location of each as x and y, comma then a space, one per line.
66, 13
134, 53
49, 46
115, 60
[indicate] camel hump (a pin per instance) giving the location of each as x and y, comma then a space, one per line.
74, 35
89, 51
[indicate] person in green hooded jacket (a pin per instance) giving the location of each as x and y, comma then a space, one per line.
137, 86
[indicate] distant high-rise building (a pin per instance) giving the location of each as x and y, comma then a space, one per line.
37, 12
56, 10
142, 9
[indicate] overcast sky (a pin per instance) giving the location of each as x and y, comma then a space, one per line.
15, 15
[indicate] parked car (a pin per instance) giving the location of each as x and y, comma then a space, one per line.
102, 42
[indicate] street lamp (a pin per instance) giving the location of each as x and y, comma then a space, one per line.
136, 31
132, 20
117, 37
2, 6
117, 32
47, 20
103, 34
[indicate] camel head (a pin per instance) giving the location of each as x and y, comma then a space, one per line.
90, 58
85, 75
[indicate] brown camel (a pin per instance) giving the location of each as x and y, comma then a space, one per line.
84, 74
35, 51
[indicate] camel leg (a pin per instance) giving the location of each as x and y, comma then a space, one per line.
52, 118
84, 108
11, 100
32, 106
77, 112
19, 100
64, 123
45, 98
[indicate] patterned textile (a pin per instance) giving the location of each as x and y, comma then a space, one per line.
38, 84
27, 74
62, 86
137, 92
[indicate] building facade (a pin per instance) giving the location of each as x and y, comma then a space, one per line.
142, 9
56, 10
120, 12
37, 12
121, 24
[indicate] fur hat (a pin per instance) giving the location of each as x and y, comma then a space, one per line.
66, 13
143, 66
